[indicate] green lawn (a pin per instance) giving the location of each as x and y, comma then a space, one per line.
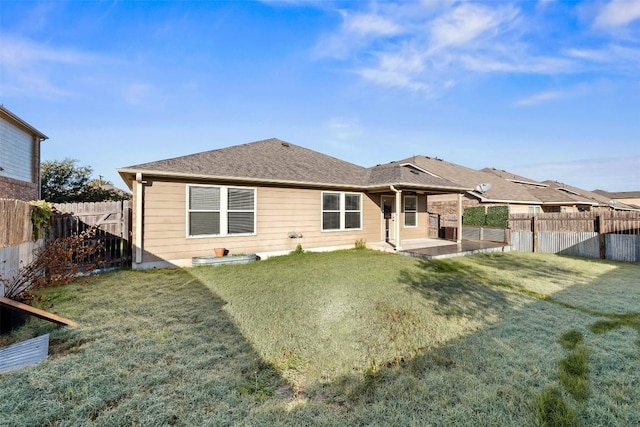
341, 338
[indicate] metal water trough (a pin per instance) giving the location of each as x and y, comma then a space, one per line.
229, 259
24, 353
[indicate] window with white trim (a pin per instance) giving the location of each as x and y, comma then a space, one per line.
341, 211
220, 211
410, 211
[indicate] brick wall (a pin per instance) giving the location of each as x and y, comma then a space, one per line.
13, 189
450, 207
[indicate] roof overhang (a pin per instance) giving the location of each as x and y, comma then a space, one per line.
129, 176
17, 121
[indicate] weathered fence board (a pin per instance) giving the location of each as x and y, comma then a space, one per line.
611, 235
15, 222
622, 247
112, 224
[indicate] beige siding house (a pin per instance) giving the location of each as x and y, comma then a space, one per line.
267, 197
19, 157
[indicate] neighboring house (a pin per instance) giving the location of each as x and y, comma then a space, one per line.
498, 192
19, 157
629, 198
559, 197
556, 196
267, 197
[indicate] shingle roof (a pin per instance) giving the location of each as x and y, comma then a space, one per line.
270, 159
405, 173
618, 194
500, 190
274, 160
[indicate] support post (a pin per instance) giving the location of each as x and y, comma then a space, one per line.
534, 229
602, 237
459, 224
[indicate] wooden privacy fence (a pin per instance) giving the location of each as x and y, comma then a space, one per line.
613, 235
111, 220
16, 238
15, 222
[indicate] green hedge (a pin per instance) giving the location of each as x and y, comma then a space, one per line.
494, 216
474, 216
498, 216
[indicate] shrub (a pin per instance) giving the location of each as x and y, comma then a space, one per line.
361, 244
41, 218
298, 250
497, 216
59, 262
474, 216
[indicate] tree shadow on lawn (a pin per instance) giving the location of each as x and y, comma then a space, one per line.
489, 377
456, 289
157, 348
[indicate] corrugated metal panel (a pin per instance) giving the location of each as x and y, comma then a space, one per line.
25, 353
582, 244
494, 234
470, 233
622, 247
522, 241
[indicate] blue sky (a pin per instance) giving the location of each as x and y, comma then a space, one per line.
546, 89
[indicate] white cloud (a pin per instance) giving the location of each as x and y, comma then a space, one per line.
468, 22
429, 46
366, 24
36, 69
540, 98
618, 13
344, 128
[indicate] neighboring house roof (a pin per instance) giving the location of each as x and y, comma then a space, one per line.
500, 191
543, 191
595, 198
17, 121
277, 161
619, 194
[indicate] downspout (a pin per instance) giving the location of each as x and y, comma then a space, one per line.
139, 214
396, 225
459, 233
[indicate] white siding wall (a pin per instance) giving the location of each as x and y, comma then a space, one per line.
16, 152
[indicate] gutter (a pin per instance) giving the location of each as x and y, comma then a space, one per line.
139, 214
126, 171
396, 225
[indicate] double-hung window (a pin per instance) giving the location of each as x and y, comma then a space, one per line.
220, 211
341, 211
410, 211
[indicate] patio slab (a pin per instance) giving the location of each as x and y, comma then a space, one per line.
452, 249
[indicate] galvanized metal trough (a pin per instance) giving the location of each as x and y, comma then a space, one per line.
229, 259
24, 353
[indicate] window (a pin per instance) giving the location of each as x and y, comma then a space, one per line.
220, 211
535, 210
410, 211
341, 211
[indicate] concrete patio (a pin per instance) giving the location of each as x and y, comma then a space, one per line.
439, 248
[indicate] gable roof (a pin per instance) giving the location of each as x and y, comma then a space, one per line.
618, 194
500, 191
276, 161
18, 122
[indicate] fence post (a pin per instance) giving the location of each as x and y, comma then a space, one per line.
601, 237
534, 229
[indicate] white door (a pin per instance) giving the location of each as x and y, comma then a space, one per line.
388, 218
